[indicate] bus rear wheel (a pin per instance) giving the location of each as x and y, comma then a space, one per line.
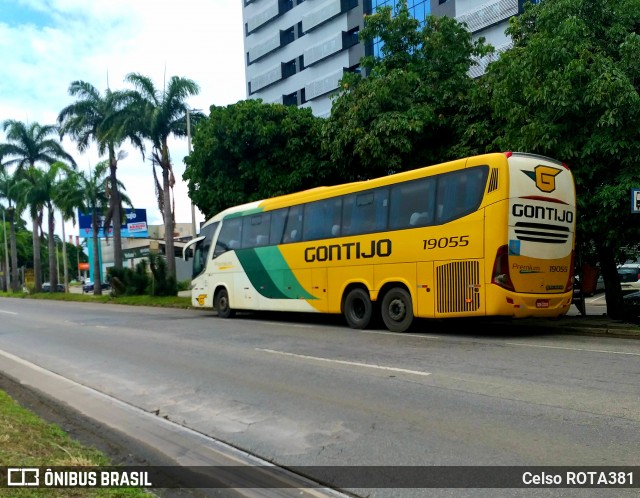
221, 304
397, 310
358, 308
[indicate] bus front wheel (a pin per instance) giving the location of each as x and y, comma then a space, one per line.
221, 304
397, 310
358, 308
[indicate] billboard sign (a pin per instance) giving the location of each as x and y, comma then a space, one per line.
135, 224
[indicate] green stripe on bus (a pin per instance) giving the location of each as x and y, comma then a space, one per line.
244, 213
277, 283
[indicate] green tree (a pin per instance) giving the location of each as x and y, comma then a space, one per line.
41, 192
28, 146
109, 121
163, 113
250, 151
569, 89
68, 197
414, 106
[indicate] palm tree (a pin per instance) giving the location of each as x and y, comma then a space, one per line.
9, 190
106, 119
39, 193
68, 197
47, 190
28, 146
163, 114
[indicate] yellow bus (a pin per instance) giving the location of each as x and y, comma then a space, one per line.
489, 235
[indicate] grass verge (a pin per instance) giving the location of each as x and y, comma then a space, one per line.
28, 441
159, 301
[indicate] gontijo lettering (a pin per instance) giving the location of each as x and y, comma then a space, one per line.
348, 250
542, 213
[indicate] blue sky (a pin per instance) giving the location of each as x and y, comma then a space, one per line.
16, 13
47, 44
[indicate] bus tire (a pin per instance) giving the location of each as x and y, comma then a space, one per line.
397, 310
358, 308
221, 304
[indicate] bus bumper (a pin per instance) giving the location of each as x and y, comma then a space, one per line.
502, 302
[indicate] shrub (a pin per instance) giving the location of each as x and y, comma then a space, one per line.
128, 282
162, 284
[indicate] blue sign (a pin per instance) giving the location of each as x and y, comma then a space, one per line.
135, 224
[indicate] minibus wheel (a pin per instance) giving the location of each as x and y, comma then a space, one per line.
358, 308
397, 310
221, 304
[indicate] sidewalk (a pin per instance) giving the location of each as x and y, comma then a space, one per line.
595, 322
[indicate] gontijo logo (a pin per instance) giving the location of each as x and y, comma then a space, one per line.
544, 176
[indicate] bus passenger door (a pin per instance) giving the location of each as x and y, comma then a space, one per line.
425, 289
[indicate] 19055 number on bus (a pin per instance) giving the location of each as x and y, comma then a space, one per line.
444, 242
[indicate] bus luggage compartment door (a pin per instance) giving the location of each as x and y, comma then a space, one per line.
458, 288
425, 290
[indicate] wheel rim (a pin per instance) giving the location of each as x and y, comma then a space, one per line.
397, 310
224, 303
358, 309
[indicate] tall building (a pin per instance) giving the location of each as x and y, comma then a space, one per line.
297, 50
484, 18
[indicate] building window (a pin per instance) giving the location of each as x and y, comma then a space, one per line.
291, 99
286, 36
284, 6
350, 38
288, 68
348, 4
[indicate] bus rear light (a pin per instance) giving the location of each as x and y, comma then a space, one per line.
508, 154
501, 274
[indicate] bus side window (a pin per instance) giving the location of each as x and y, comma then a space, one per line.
255, 230
320, 217
276, 231
365, 212
230, 236
412, 203
293, 226
460, 193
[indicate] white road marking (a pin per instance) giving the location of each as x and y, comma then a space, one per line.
401, 334
594, 299
8, 312
343, 362
101, 327
571, 349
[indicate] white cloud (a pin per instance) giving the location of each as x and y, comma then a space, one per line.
103, 40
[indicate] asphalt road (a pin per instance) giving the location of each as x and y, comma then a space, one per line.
313, 392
